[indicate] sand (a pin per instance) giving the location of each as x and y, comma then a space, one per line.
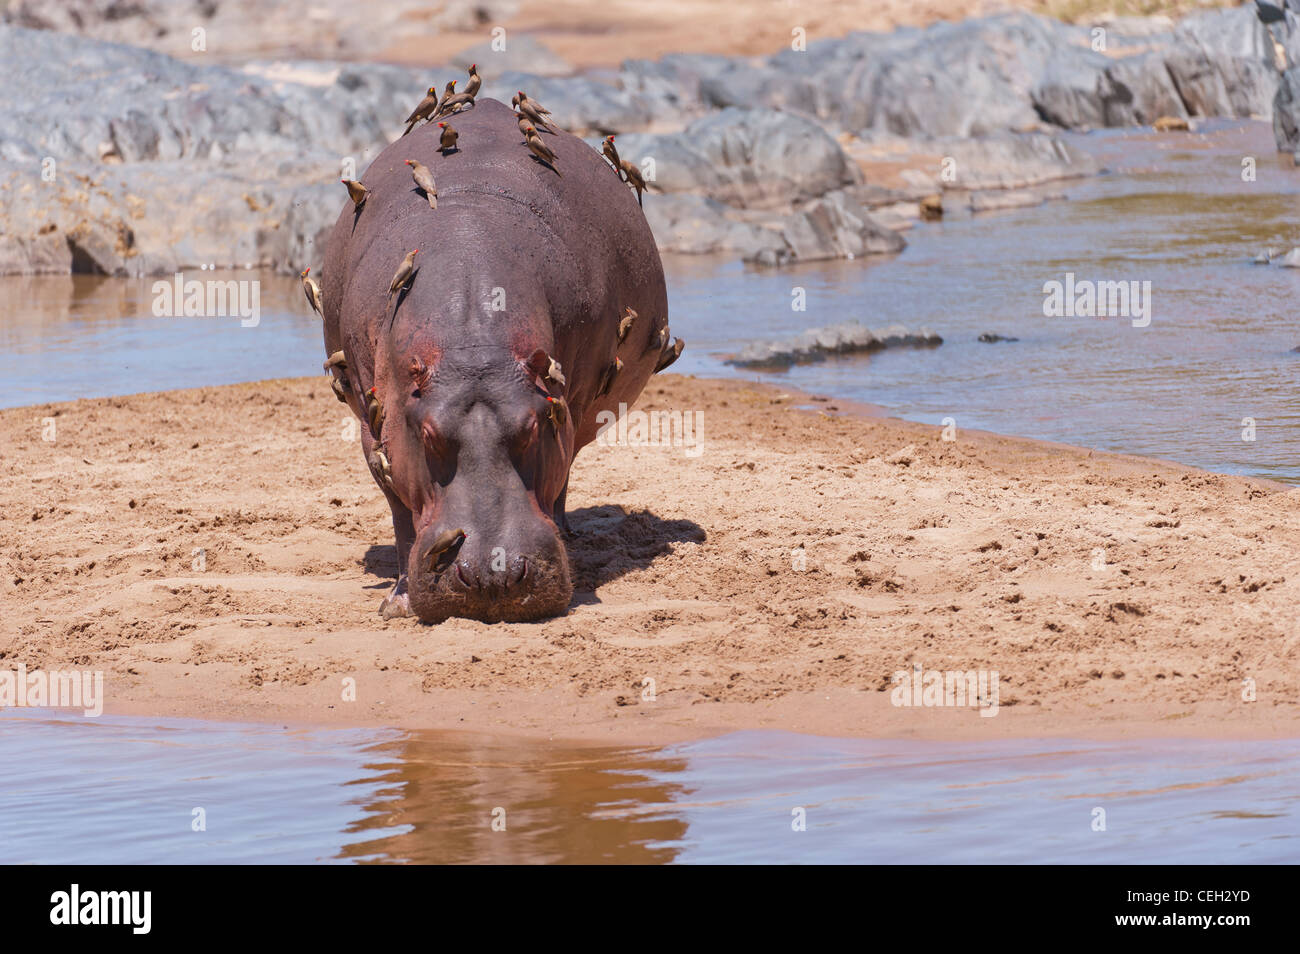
1114, 596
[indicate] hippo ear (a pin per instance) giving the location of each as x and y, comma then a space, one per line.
537, 363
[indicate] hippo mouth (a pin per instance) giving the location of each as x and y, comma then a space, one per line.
522, 589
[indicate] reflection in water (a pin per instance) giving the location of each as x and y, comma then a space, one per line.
438, 797
127, 790
65, 337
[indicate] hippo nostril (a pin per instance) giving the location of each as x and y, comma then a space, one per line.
460, 575
523, 569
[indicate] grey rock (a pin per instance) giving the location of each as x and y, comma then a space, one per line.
237, 30
1292, 259
999, 201
580, 104
149, 107
990, 338
746, 158
1286, 112
151, 218
832, 227
523, 54
843, 339
696, 224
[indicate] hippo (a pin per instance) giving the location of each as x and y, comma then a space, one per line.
478, 382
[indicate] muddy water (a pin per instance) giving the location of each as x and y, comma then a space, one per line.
126, 790
1172, 210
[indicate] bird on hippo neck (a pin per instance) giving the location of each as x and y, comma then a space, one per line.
474, 82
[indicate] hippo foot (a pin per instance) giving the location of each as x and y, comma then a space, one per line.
397, 603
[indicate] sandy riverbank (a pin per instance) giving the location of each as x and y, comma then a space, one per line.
982, 553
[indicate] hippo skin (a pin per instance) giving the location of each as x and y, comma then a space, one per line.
517, 265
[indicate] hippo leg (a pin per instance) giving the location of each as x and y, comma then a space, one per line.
398, 601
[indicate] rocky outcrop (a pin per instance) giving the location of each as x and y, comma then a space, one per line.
1012, 71
122, 160
850, 337
744, 157
239, 30
1286, 113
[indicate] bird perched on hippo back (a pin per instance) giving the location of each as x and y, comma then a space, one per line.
480, 381
448, 138
423, 110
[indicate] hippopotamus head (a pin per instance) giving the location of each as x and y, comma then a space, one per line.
479, 442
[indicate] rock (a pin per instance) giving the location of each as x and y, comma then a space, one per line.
834, 226
149, 107
580, 104
998, 201
745, 158
931, 207
1292, 259
670, 87
237, 30
850, 337
989, 338
45, 253
1286, 112
1011, 161
138, 219
696, 224
1214, 63
1170, 124
523, 54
